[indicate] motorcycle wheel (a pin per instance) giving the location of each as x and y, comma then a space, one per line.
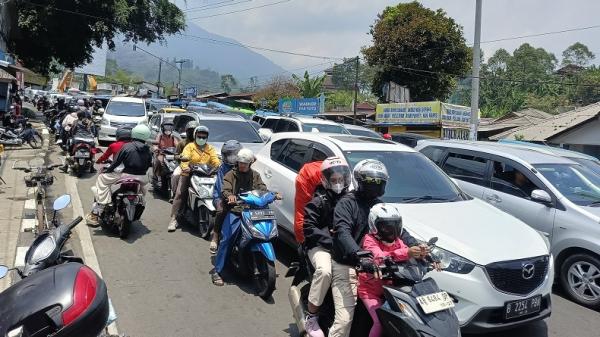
36, 141
164, 185
124, 228
205, 222
264, 276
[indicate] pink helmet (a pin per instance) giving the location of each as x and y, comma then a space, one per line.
331, 166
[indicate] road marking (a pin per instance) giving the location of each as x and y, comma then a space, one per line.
27, 225
89, 254
30, 204
45, 131
20, 257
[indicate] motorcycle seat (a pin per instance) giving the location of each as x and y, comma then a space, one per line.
128, 180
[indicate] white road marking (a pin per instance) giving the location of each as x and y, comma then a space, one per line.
20, 257
45, 131
28, 224
89, 254
30, 204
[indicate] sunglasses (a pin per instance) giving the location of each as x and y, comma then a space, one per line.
370, 180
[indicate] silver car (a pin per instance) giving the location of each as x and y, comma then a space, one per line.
555, 195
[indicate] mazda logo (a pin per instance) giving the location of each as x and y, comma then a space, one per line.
528, 271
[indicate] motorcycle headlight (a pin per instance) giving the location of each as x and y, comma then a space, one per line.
203, 191
43, 250
260, 235
407, 310
452, 262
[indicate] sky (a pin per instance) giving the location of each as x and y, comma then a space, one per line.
338, 28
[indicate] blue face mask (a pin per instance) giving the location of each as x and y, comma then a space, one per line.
201, 141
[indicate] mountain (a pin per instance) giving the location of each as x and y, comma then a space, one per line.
209, 59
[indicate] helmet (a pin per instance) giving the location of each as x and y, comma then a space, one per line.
81, 114
371, 177
80, 102
331, 166
201, 128
167, 126
191, 125
387, 136
98, 102
73, 108
123, 133
229, 151
140, 132
385, 221
245, 156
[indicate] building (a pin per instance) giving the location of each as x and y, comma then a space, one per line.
527, 117
365, 114
578, 130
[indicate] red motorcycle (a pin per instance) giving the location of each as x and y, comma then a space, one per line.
83, 151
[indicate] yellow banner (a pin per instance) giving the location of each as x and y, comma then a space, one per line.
416, 113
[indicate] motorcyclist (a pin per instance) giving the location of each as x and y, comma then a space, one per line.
189, 138
123, 137
229, 153
241, 179
97, 105
307, 180
199, 152
136, 158
83, 128
350, 224
67, 124
318, 223
60, 104
163, 141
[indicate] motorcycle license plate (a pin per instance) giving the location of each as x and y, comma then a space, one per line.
82, 155
524, 307
206, 180
435, 302
169, 157
262, 214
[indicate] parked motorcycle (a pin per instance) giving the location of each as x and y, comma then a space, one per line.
414, 305
82, 155
200, 209
126, 207
252, 252
19, 136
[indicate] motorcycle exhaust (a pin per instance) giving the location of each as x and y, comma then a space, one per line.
297, 309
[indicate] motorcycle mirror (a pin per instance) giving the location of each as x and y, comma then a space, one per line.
3, 271
61, 202
432, 241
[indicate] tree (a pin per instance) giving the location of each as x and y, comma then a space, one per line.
228, 82
67, 31
309, 87
577, 54
278, 87
417, 47
344, 75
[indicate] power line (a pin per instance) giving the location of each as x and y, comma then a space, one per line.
214, 6
241, 10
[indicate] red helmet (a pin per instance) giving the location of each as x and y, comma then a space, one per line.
387, 136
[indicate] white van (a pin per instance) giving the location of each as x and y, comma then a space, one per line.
121, 111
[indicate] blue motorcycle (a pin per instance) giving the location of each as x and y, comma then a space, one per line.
251, 235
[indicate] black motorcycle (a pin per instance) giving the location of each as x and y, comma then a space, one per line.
19, 136
414, 304
170, 163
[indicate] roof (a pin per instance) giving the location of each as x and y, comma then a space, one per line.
127, 99
312, 120
366, 106
216, 116
527, 155
170, 110
557, 151
515, 119
552, 127
5, 76
347, 142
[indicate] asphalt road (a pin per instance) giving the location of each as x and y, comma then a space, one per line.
160, 286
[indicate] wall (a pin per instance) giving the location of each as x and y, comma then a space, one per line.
587, 134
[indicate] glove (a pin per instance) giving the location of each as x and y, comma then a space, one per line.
366, 265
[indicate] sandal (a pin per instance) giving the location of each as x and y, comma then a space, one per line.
213, 247
217, 280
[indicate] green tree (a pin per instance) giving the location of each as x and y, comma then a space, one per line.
228, 82
278, 87
67, 31
344, 75
309, 87
577, 54
419, 48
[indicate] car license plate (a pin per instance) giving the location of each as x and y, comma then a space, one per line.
435, 302
524, 307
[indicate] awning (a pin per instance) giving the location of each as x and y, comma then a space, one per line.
6, 77
244, 101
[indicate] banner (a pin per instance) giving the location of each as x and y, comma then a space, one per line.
416, 113
456, 115
303, 106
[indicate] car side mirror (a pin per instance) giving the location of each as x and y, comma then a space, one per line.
3, 271
541, 196
150, 113
265, 134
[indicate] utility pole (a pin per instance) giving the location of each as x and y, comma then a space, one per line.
355, 90
180, 62
475, 79
159, 71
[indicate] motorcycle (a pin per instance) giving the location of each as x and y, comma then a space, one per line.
127, 206
163, 183
414, 305
20, 136
200, 208
252, 252
82, 155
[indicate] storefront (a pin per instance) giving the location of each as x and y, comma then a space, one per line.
433, 119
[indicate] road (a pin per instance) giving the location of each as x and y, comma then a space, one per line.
160, 285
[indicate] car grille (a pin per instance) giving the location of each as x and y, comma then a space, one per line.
123, 125
516, 277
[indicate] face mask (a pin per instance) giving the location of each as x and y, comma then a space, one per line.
201, 141
167, 133
337, 188
232, 159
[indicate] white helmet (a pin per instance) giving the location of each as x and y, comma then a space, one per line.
245, 156
80, 102
385, 222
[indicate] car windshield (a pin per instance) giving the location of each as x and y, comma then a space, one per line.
592, 165
365, 133
129, 109
413, 177
224, 130
328, 128
577, 183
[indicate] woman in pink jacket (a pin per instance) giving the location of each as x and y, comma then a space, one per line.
383, 240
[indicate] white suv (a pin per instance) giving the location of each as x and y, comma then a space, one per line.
499, 270
277, 124
121, 111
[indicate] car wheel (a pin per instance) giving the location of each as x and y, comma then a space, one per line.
580, 278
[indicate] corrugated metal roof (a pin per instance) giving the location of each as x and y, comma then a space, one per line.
5, 76
551, 127
527, 117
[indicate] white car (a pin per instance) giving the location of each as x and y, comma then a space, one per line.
499, 270
121, 112
293, 123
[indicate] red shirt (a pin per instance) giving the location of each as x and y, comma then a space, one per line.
112, 149
307, 181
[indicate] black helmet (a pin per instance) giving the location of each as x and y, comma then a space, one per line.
81, 114
98, 102
371, 176
167, 126
123, 133
230, 150
73, 108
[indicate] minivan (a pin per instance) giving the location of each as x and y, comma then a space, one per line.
121, 112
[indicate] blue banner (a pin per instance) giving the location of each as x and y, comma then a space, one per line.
303, 106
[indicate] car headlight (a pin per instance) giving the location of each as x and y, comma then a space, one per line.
105, 121
407, 310
43, 250
545, 238
452, 262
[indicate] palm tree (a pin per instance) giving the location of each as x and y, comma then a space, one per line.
309, 87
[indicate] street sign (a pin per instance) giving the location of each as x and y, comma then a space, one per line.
303, 106
191, 92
